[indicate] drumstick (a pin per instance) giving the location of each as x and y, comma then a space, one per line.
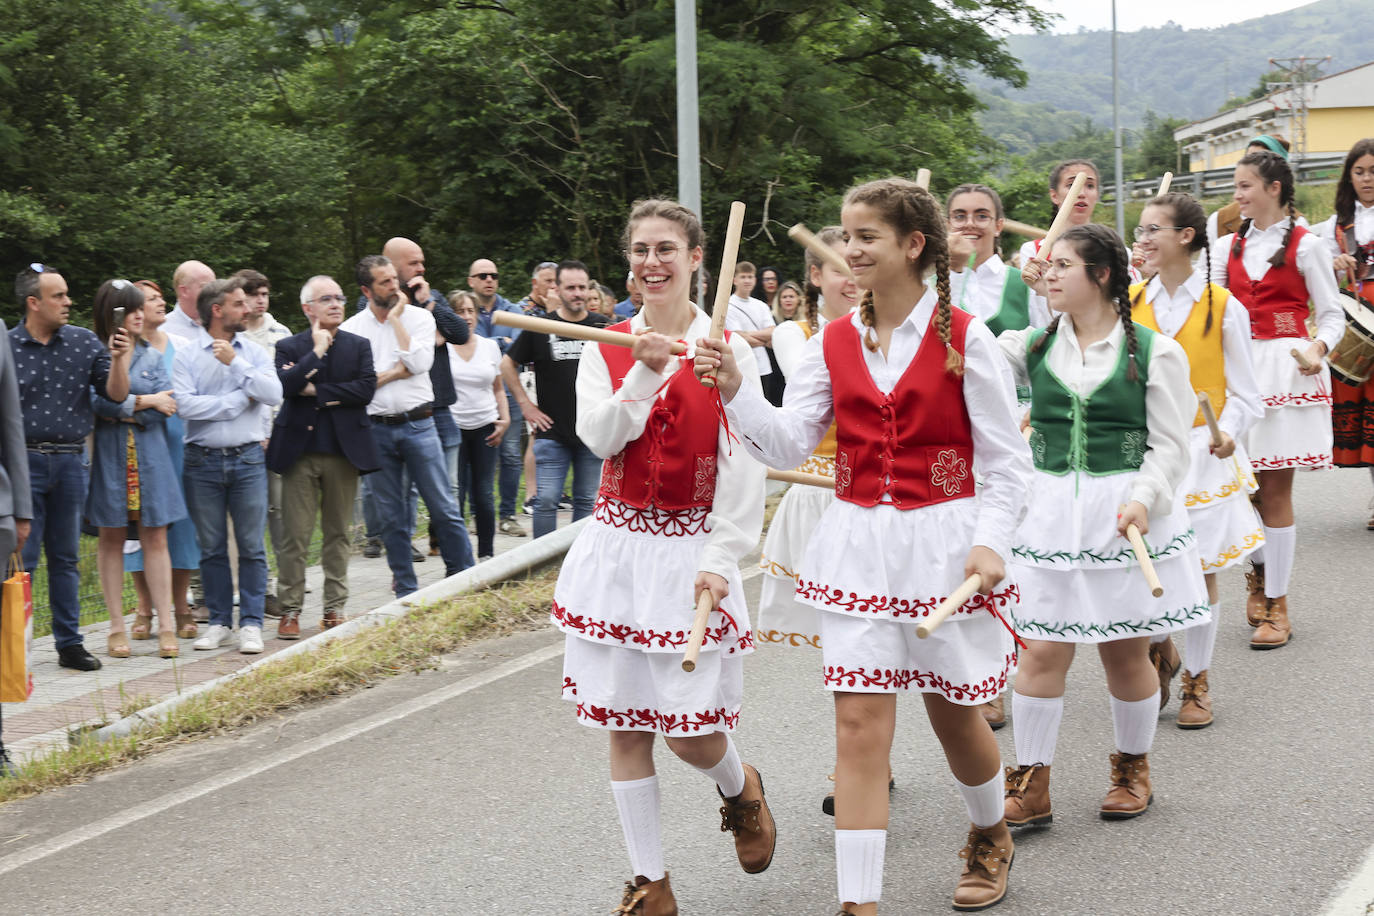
950, 605
1210, 416
705, 605
923, 179
1164, 183
1061, 219
1303, 361
1026, 229
1142, 557
725, 279
802, 477
808, 240
569, 329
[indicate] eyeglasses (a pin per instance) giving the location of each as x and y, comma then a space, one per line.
1145, 232
328, 300
1064, 265
666, 251
483, 276
981, 218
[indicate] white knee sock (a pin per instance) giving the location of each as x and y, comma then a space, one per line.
728, 771
1198, 643
859, 864
1280, 544
1035, 727
985, 802
637, 800
1134, 721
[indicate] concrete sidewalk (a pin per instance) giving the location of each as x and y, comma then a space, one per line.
64, 699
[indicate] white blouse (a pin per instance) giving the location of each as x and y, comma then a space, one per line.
1364, 230
784, 437
608, 420
979, 291
472, 380
1313, 263
789, 341
1170, 403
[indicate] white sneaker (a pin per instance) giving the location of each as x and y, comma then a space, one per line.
214, 637
250, 640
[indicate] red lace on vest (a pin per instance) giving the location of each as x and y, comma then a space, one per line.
671, 465
1277, 302
911, 447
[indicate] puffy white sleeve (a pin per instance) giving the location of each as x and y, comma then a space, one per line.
1170, 406
1243, 405
1221, 253
783, 437
789, 340
1013, 347
1001, 457
736, 518
1315, 266
607, 419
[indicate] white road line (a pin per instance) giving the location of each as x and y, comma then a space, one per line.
1357, 899
215, 783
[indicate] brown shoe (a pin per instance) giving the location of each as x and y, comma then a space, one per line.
1164, 656
1254, 600
647, 898
1195, 706
748, 818
289, 626
1028, 796
1274, 629
331, 619
994, 712
1130, 793
987, 863
186, 625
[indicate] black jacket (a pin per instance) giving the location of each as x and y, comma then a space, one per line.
344, 385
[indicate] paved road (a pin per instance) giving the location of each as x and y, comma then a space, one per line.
470, 789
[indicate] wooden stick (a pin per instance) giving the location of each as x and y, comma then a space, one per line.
1142, 557
808, 240
705, 605
950, 605
802, 477
1301, 357
1026, 229
725, 279
923, 179
1164, 183
1210, 416
568, 329
1061, 219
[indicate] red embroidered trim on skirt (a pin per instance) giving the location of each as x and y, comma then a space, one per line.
901, 607
1293, 399
1297, 461
663, 522
650, 719
883, 679
623, 634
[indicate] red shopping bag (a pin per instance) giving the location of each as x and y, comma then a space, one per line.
16, 635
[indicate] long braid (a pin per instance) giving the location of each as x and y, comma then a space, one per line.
1207, 280
1239, 238
813, 307
954, 361
1119, 292
1050, 330
1279, 256
869, 316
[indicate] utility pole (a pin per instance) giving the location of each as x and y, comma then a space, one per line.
688, 114
1116, 136
1300, 72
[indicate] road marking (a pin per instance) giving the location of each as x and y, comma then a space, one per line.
1357, 899
215, 783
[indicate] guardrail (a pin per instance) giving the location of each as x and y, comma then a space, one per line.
1221, 182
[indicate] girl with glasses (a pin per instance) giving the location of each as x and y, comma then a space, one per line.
1111, 405
980, 283
1213, 328
919, 398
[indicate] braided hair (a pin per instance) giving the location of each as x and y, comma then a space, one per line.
1187, 213
907, 207
1270, 167
812, 298
1103, 249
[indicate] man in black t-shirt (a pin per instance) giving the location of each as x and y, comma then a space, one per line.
555, 360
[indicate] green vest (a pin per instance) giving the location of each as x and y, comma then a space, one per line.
1103, 433
1014, 313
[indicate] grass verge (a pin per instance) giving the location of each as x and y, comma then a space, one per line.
412, 643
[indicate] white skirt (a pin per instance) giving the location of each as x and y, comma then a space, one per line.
1079, 579
1217, 497
1295, 431
784, 620
625, 600
874, 573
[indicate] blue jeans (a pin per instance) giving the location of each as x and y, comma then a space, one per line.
59, 484
512, 458
551, 461
414, 447
372, 519
476, 473
220, 483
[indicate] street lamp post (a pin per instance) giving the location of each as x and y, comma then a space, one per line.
688, 117
1116, 136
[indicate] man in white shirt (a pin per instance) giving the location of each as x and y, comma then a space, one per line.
189, 278
751, 318
402, 412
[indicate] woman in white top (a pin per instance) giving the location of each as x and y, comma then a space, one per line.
482, 417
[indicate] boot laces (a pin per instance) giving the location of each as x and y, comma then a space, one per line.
982, 854
737, 816
1019, 779
630, 902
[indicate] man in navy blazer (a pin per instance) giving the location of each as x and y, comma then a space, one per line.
321, 443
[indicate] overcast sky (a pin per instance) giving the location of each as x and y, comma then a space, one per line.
1135, 14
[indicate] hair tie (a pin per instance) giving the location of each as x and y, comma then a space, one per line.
1271, 144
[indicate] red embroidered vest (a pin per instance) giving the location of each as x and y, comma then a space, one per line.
672, 464
1277, 302
911, 447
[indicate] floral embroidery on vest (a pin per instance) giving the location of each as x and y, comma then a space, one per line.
844, 474
1133, 447
1286, 325
949, 472
613, 473
704, 481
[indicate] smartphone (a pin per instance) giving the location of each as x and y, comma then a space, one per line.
118, 318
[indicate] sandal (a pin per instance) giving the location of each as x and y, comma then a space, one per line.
142, 627
167, 646
117, 646
186, 625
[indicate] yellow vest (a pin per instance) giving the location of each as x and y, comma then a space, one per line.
822, 460
1206, 360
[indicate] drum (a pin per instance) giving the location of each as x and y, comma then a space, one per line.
1353, 359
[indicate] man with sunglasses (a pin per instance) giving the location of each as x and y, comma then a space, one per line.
58, 368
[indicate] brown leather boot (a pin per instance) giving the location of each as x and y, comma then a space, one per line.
994, 712
1195, 706
1274, 629
1164, 656
647, 898
987, 863
1028, 796
748, 818
1130, 793
1254, 601
289, 626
